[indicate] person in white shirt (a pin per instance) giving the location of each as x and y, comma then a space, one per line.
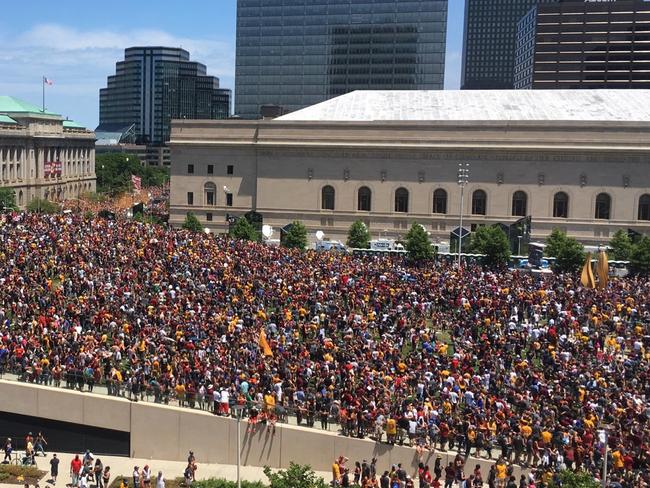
160, 480
225, 399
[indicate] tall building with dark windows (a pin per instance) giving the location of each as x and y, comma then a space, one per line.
584, 45
489, 42
154, 85
296, 53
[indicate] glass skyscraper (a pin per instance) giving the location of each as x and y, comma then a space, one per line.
296, 53
489, 42
154, 85
595, 45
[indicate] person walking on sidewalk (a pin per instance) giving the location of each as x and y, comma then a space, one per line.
39, 444
75, 469
8, 449
54, 468
106, 476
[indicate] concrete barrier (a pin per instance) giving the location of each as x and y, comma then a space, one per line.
168, 433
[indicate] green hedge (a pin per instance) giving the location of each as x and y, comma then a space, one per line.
221, 483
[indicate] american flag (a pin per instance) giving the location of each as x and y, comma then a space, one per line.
47, 81
137, 182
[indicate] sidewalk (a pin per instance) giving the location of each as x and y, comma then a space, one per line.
123, 467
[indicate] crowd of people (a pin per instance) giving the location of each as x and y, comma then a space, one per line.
154, 198
491, 363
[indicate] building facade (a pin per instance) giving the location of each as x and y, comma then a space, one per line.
584, 45
296, 53
42, 155
153, 85
577, 160
489, 42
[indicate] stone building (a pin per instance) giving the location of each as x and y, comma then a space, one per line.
42, 155
577, 160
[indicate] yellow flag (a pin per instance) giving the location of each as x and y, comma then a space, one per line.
602, 268
587, 276
264, 344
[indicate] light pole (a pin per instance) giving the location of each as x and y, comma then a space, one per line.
239, 410
602, 434
519, 245
463, 179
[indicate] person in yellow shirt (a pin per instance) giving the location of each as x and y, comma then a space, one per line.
446, 407
180, 394
546, 437
501, 469
269, 403
391, 430
336, 473
617, 459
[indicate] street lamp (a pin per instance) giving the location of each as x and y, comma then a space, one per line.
238, 410
463, 179
519, 245
602, 437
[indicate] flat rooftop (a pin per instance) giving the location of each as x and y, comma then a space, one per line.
481, 105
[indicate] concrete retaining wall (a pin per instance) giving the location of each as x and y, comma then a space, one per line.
168, 433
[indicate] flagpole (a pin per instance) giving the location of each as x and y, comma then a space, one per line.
43, 83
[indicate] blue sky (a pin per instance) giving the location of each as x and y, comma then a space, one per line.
77, 42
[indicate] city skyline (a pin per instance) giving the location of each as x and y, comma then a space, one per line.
77, 45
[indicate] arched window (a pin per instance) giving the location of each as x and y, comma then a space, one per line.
440, 201
364, 200
519, 204
327, 198
603, 206
401, 200
210, 194
561, 205
644, 207
479, 202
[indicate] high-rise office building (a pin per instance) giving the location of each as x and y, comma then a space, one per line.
296, 53
154, 85
584, 45
489, 42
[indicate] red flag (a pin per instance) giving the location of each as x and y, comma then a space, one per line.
47, 81
137, 182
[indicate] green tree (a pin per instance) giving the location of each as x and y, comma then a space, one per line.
570, 257
296, 237
577, 479
640, 257
192, 223
40, 205
492, 242
358, 236
554, 242
243, 230
114, 172
7, 198
418, 246
620, 246
297, 476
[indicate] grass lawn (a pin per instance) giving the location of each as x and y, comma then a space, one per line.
20, 475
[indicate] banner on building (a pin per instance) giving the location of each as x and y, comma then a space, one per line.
52, 168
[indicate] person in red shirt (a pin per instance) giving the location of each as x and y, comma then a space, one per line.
75, 469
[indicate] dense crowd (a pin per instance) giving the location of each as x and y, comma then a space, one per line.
154, 198
490, 363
